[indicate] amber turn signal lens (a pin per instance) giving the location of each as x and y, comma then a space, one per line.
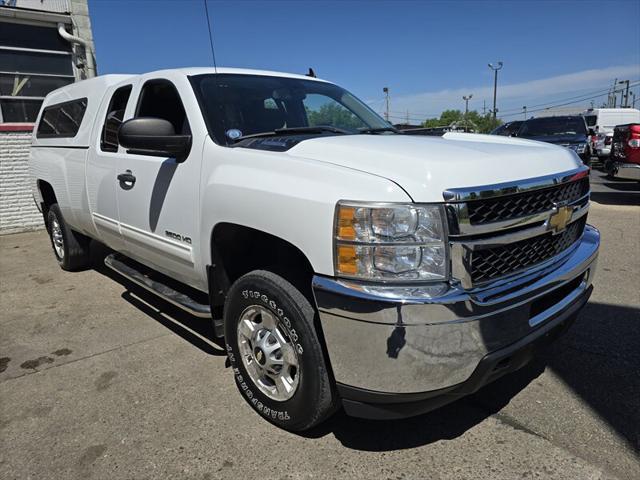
347, 260
346, 217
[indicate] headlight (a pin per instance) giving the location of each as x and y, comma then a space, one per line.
390, 242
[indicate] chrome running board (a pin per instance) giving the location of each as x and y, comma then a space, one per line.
119, 264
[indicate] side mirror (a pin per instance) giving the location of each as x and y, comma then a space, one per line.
153, 136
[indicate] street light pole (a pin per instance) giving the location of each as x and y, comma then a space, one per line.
495, 67
525, 111
466, 109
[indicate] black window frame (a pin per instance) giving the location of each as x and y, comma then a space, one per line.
129, 87
59, 106
177, 92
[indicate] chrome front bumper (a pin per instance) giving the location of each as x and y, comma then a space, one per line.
629, 171
431, 339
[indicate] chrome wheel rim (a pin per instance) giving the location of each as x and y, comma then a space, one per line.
268, 354
57, 238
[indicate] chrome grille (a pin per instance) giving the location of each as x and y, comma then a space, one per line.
497, 231
518, 205
491, 263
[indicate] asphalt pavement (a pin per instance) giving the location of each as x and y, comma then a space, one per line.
100, 380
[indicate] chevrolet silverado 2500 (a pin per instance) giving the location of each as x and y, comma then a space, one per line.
343, 263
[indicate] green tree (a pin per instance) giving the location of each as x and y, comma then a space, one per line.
480, 123
335, 115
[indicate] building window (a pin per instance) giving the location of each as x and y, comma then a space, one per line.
62, 120
34, 60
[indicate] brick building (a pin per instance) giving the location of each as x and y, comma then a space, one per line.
44, 45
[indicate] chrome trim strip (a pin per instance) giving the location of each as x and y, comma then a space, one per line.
507, 238
509, 188
465, 228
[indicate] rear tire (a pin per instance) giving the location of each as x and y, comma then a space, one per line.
275, 352
70, 248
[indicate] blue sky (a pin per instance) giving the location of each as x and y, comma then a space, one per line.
428, 53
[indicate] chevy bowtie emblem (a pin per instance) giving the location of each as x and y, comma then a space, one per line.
560, 218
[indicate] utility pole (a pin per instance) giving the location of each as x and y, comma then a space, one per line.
466, 110
407, 117
624, 93
495, 67
386, 98
484, 108
525, 111
612, 95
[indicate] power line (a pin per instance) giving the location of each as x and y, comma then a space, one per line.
213, 52
584, 96
420, 117
594, 92
561, 104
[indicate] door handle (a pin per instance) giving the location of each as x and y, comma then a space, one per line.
127, 177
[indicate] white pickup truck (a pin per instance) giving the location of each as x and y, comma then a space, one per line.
345, 264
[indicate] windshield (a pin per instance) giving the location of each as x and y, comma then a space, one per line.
239, 105
591, 120
542, 127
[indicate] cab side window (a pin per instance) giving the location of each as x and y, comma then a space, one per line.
160, 99
113, 119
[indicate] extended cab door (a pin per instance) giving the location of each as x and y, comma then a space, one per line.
158, 198
102, 165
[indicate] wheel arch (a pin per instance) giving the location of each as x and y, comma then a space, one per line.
238, 249
48, 197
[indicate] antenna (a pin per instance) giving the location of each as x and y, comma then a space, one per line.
213, 52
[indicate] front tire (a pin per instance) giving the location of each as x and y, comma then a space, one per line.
70, 248
275, 353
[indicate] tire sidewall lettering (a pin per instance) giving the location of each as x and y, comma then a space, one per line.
269, 412
284, 320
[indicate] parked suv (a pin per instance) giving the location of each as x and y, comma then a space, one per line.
569, 131
344, 264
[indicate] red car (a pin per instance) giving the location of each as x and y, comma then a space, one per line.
624, 161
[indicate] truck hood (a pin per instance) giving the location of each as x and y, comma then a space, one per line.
426, 166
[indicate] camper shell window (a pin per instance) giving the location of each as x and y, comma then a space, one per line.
62, 120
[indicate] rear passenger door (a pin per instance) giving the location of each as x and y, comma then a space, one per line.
159, 208
102, 168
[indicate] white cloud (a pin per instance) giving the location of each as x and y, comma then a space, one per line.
512, 96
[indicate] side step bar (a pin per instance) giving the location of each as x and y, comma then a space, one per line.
119, 264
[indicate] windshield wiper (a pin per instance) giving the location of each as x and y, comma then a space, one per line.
379, 130
293, 131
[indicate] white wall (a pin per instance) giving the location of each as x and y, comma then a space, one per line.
18, 211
